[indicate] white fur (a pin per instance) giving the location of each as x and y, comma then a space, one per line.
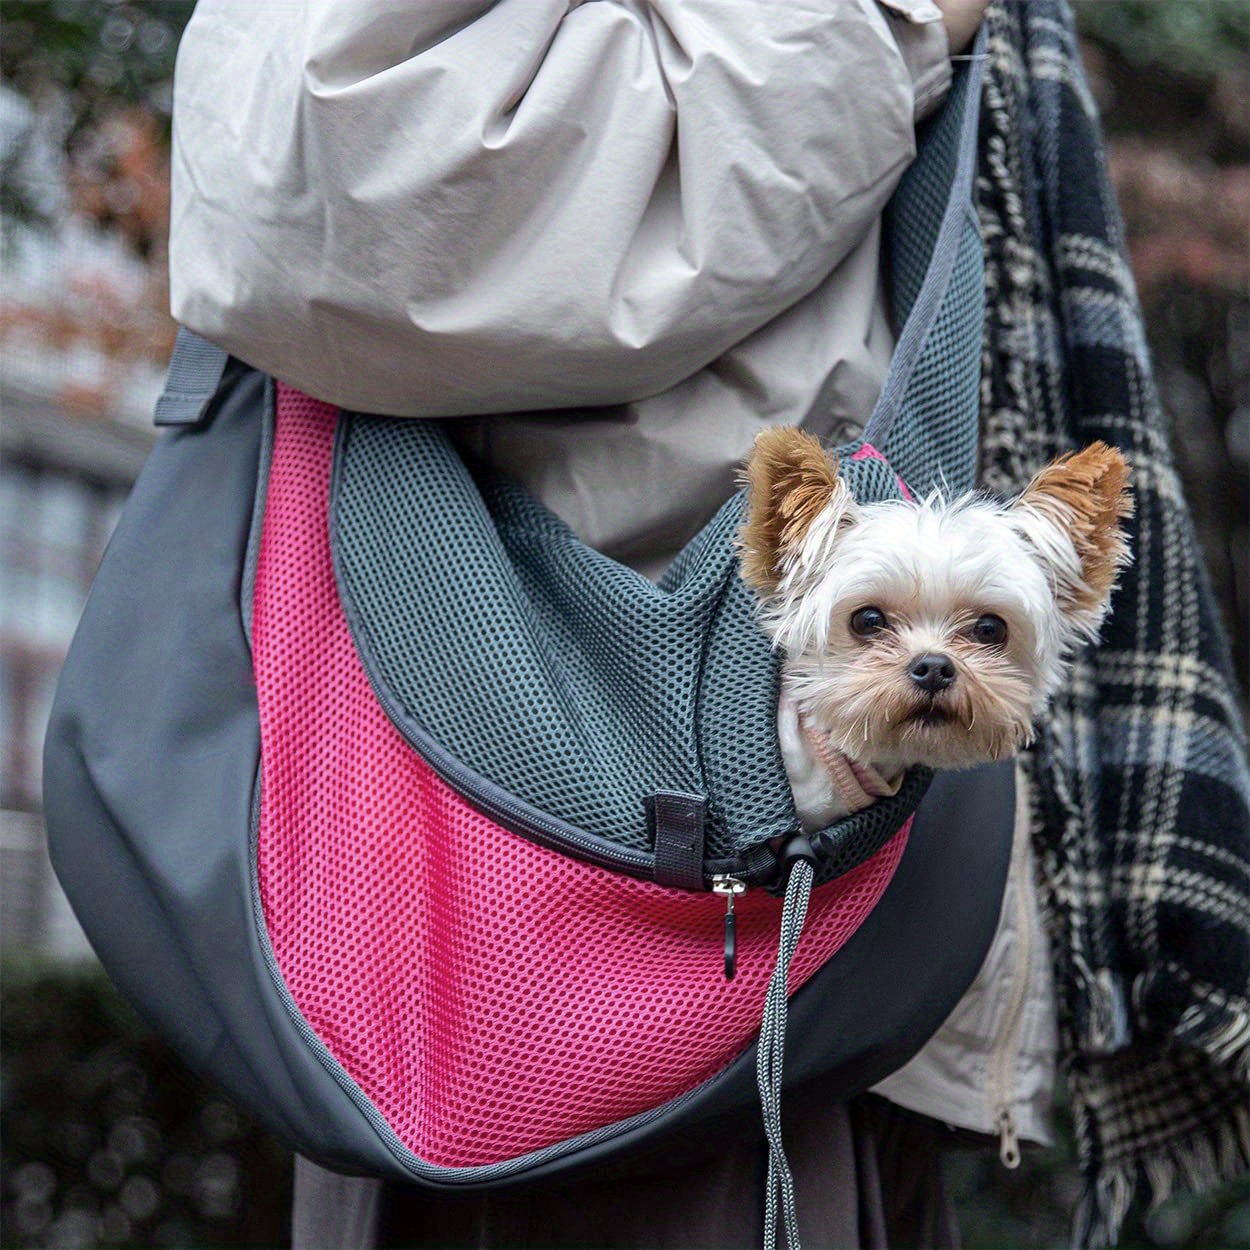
934, 567
1006, 559
816, 801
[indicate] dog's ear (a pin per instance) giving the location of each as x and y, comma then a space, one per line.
1083, 497
790, 481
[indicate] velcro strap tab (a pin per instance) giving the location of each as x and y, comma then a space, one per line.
194, 376
678, 824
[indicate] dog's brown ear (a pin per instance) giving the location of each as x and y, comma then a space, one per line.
1086, 494
790, 480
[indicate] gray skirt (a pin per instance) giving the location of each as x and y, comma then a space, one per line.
868, 1177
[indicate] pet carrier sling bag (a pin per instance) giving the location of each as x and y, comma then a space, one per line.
429, 832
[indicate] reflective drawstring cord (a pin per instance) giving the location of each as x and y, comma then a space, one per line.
770, 1055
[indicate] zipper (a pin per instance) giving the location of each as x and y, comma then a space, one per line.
729, 888
1006, 1048
527, 823
1008, 1140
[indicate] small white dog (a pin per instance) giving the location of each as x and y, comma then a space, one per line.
920, 633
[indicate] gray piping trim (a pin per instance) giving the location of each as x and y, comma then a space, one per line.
247, 582
923, 316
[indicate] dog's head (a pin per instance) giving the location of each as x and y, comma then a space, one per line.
929, 632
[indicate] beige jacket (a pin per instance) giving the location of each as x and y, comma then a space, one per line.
991, 1067
616, 238
665, 209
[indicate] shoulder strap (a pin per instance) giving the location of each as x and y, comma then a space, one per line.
195, 373
927, 418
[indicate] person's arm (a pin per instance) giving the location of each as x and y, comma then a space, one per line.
439, 209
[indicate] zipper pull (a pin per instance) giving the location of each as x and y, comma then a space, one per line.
1008, 1141
730, 888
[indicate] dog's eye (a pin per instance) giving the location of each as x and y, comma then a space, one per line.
989, 630
868, 621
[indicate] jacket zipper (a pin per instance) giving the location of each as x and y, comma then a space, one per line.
1006, 1048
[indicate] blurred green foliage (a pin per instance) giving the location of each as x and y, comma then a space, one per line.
108, 1140
1197, 37
93, 54
1031, 1207
76, 62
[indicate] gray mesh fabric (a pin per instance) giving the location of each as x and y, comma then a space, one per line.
870, 479
933, 442
926, 421
561, 676
916, 211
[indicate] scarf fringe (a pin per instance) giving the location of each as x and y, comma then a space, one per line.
1191, 1164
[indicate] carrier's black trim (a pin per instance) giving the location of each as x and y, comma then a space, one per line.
677, 827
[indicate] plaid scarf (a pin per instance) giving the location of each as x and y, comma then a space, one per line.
1141, 824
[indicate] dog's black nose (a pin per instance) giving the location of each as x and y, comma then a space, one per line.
932, 673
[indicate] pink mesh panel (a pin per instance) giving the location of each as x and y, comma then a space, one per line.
489, 996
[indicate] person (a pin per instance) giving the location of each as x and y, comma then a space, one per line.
615, 241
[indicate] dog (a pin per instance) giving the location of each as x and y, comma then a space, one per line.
920, 632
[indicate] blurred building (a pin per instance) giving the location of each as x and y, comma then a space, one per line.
82, 339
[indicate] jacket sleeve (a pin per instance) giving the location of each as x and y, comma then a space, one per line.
434, 209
